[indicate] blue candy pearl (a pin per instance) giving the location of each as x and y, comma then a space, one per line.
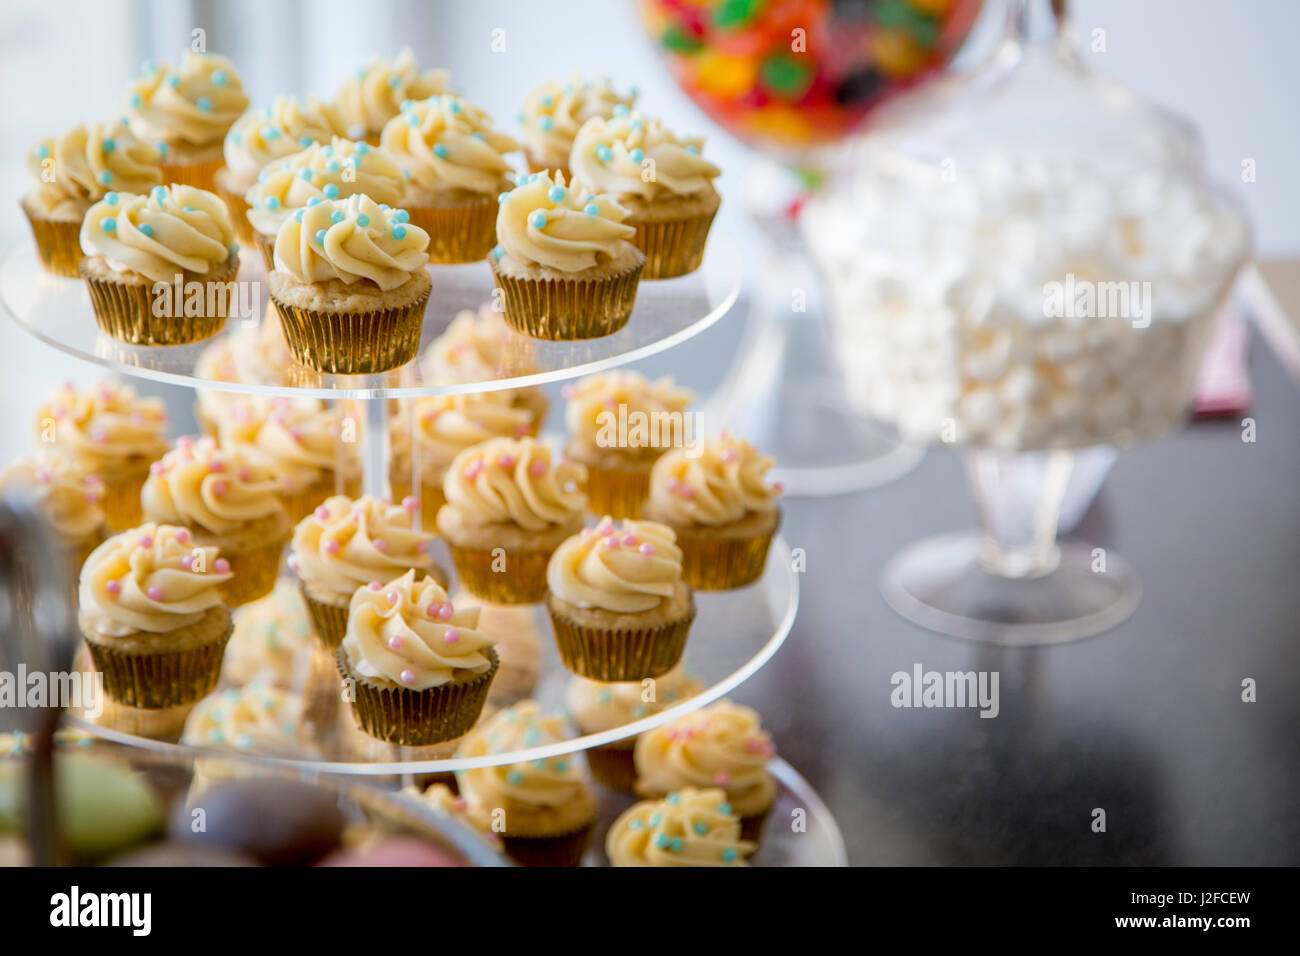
701, 828
556, 193
406, 173
356, 132
297, 216
635, 824
636, 156
337, 216
399, 232
405, 105
320, 236
108, 225
547, 99
363, 148
110, 198
105, 177
146, 229
401, 215
537, 220
478, 136
219, 77
521, 179
724, 809
331, 191
394, 81
560, 766
173, 81
604, 153
270, 132
235, 138
591, 209
313, 200
42, 152
332, 166
662, 841
162, 147
187, 208
305, 175
440, 151
109, 145
326, 150
620, 110
135, 100
502, 197
272, 203
412, 119
676, 845
498, 251
515, 778
694, 150
363, 220
729, 855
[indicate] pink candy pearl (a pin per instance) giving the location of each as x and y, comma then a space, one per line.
114, 588
778, 487
146, 541
446, 611
187, 562
722, 779
421, 547
407, 676
506, 461
156, 468
183, 536
647, 549
410, 503
395, 642
322, 513
393, 597
432, 609
537, 469
728, 456
222, 566
452, 636
245, 474
185, 442
688, 492
216, 466
155, 593
629, 539
380, 545
674, 484
331, 547
219, 488
375, 586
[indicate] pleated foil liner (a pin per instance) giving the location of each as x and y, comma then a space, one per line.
617, 492
522, 582
202, 175
720, 564
330, 621
121, 504
153, 681
566, 849
253, 572
673, 247
355, 343
57, 243
415, 718
605, 654
567, 309
458, 233
124, 310
614, 765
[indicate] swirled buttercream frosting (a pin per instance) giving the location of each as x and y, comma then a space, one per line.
568, 229
447, 144
594, 405
722, 745
553, 782
351, 240
555, 111
171, 231
208, 488
720, 482
689, 827
194, 103
514, 481
65, 492
374, 93
625, 568
634, 155
103, 427
281, 128
71, 171
344, 544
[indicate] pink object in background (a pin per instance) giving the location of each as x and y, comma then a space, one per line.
1223, 387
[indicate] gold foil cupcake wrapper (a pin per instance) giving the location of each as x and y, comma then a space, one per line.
565, 849
253, 572
353, 343
330, 621
673, 247
121, 504
608, 654
153, 681
614, 766
567, 309
416, 718
58, 244
124, 310
523, 581
617, 492
458, 234
203, 175
720, 564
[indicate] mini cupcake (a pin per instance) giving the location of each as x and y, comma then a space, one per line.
227, 499
324, 171
258, 718
454, 158
350, 284
563, 262
441, 800
722, 745
418, 669
187, 112
271, 641
373, 94
345, 544
256, 356
72, 171
428, 433
106, 430
517, 640
597, 706
554, 112
283, 127
546, 807
160, 268
619, 424
617, 603
689, 827
152, 615
725, 512
661, 180
508, 508
70, 498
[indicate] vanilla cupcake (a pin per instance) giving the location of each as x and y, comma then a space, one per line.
281, 128
441, 800
72, 171
152, 615
722, 745
70, 498
563, 262
517, 640
106, 430
258, 718
546, 806
256, 356
418, 669
689, 827
160, 268
618, 605
350, 284
554, 112
186, 111
374, 93
724, 510
345, 544
659, 178
508, 508
271, 641
454, 158
619, 423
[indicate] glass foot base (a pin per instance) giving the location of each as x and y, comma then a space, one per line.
940, 584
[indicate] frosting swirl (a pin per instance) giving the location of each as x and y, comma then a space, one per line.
722, 745
150, 579
725, 482
344, 544
195, 103
406, 631
569, 229
439, 427
446, 144
175, 229
508, 480
626, 569
440, 799
475, 347
71, 171
374, 93
300, 437
271, 640
554, 112
105, 427
67, 495
554, 782
258, 717
284, 126
597, 705
350, 240
211, 489
630, 155
324, 171
594, 403
689, 827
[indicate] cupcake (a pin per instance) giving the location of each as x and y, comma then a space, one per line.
617, 602
418, 670
518, 643
563, 262
106, 430
554, 112
70, 498
428, 433
619, 424
73, 171
258, 718
508, 508
160, 268
441, 800
454, 157
546, 807
151, 613
662, 181
187, 111
350, 284
330, 170
345, 544
689, 827
721, 745
254, 356
271, 640
284, 127
597, 706
716, 497
226, 499
374, 93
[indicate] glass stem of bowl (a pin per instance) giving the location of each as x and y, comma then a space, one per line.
374, 447
1019, 497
